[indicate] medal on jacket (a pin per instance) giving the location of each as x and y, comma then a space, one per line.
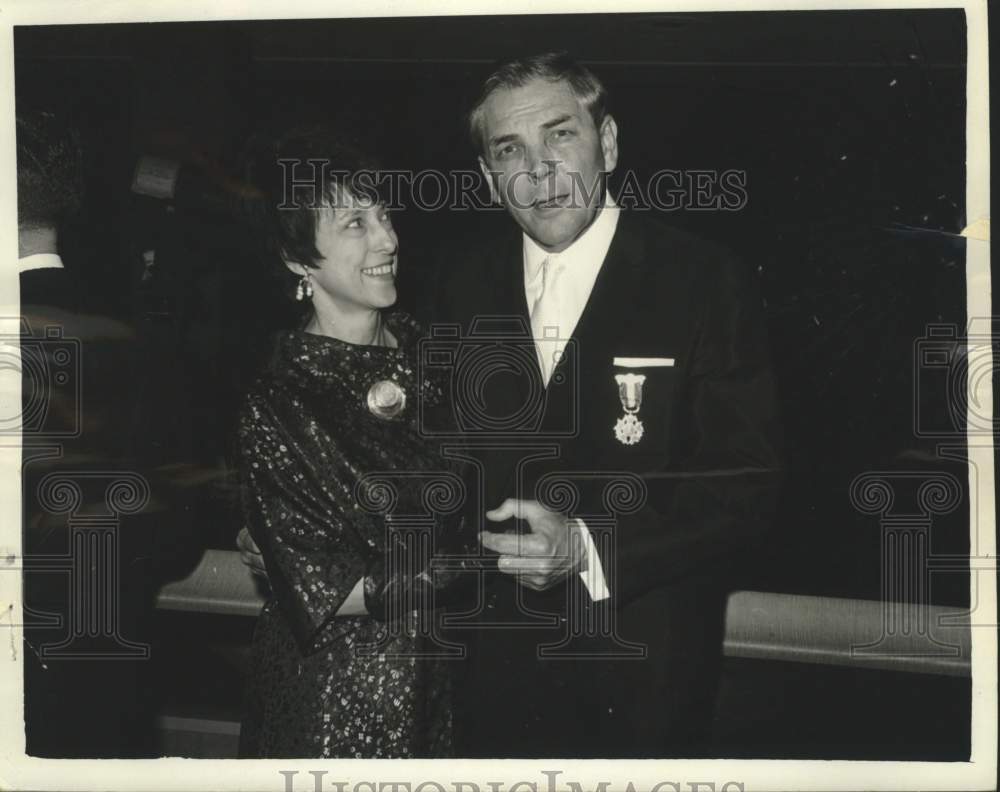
629, 429
386, 399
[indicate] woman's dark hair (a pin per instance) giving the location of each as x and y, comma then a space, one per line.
301, 173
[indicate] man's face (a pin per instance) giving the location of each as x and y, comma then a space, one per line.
548, 158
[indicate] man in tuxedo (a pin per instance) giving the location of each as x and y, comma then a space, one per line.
601, 632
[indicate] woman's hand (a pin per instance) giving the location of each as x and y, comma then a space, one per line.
411, 578
250, 554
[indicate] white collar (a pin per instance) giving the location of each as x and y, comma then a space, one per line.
39, 261
589, 248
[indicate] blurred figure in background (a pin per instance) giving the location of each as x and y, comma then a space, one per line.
49, 187
86, 543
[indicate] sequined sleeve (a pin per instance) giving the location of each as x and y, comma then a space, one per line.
313, 556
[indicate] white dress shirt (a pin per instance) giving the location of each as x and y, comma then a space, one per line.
581, 263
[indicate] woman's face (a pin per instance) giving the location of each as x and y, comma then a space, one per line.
359, 248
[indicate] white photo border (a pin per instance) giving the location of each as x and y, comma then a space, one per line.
20, 772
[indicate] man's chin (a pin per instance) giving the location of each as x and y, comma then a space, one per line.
559, 231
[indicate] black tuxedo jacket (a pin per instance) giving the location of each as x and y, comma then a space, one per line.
667, 513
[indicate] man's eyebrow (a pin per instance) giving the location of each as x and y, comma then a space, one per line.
502, 139
557, 121
545, 125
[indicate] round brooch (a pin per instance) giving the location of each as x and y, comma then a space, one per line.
386, 399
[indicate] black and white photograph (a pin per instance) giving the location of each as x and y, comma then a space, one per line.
526, 382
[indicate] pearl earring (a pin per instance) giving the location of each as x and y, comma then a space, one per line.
305, 287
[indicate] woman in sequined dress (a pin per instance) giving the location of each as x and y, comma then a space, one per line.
336, 402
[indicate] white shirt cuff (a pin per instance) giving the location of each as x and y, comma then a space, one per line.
593, 577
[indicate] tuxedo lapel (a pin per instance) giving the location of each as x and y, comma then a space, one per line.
511, 302
507, 269
502, 313
617, 289
613, 297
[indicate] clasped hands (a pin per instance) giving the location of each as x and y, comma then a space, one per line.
539, 559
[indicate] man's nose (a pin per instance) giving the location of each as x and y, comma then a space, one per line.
540, 164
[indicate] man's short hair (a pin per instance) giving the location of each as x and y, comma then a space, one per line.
49, 170
552, 66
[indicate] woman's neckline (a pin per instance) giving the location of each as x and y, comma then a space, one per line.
391, 325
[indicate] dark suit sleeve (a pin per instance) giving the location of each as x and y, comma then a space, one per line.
720, 495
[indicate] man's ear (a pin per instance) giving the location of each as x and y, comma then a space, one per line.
490, 180
609, 142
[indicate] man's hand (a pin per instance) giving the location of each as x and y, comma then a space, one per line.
250, 554
542, 558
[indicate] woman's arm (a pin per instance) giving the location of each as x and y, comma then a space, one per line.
253, 559
319, 569
355, 604
315, 560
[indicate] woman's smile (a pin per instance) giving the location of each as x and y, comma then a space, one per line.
382, 271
